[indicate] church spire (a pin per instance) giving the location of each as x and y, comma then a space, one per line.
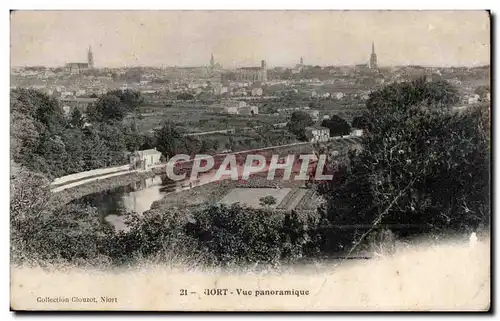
373, 57
90, 57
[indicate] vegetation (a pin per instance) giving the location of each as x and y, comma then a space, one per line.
299, 120
267, 201
114, 105
422, 163
360, 122
337, 126
45, 141
185, 96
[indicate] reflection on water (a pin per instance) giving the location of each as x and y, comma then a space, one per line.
136, 197
139, 196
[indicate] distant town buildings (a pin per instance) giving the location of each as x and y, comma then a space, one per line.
251, 74
214, 66
299, 67
257, 91
70, 104
78, 67
235, 108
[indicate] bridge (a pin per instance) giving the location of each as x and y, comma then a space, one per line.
114, 173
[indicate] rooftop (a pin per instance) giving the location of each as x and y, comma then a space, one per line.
317, 128
147, 152
79, 99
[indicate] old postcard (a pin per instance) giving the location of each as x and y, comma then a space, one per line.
250, 160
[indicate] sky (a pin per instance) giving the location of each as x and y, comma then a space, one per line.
244, 38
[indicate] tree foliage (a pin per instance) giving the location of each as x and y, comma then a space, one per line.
44, 141
297, 124
421, 163
168, 139
267, 200
360, 122
240, 235
337, 125
114, 105
185, 96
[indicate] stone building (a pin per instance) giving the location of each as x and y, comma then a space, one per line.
145, 159
234, 108
250, 74
317, 134
373, 58
79, 67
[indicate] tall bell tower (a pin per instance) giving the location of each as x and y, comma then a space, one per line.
90, 58
373, 58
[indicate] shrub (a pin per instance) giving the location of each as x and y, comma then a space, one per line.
242, 235
422, 163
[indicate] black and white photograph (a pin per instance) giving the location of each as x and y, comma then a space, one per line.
250, 160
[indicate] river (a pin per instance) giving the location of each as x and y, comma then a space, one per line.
138, 197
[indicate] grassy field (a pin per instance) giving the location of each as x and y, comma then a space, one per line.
198, 118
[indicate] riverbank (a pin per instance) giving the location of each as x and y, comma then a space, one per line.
214, 192
77, 192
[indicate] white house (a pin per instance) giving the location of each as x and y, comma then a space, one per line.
474, 99
317, 134
257, 91
145, 159
357, 132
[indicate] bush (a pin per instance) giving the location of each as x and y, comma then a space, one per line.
422, 163
337, 125
242, 235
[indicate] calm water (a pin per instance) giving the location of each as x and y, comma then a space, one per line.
136, 197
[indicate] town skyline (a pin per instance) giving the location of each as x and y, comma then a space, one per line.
325, 38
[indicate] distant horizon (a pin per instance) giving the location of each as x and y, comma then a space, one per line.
268, 67
244, 38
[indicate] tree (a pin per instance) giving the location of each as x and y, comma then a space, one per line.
130, 98
299, 120
337, 125
360, 122
114, 105
168, 139
107, 108
43, 141
76, 118
241, 235
403, 95
43, 109
185, 96
421, 163
482, 91
267, 201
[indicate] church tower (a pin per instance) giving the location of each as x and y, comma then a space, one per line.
212, 61
90, 58
373, 58
263, 71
